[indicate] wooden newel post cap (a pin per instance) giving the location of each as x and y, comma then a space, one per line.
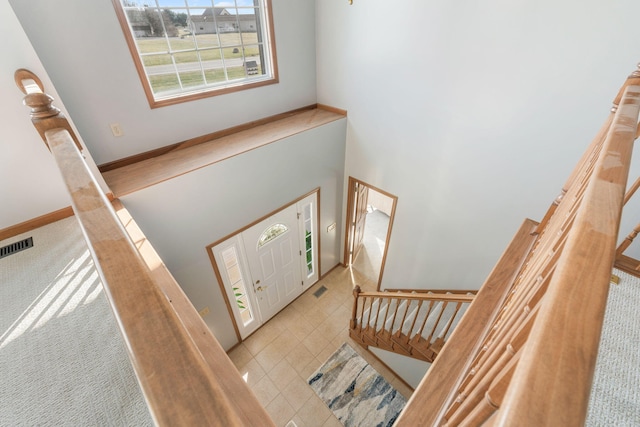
40, 104
44, 115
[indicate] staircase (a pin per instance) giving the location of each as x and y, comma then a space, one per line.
414, 323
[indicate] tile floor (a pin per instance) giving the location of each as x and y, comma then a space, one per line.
277, 360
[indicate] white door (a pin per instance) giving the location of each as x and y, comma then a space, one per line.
273, 252
270, 264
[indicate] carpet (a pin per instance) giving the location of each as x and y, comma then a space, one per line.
615, 393
63, 361
355, 392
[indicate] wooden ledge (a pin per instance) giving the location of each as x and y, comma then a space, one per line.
142, 174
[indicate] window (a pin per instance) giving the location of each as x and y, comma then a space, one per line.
307, 219
190, 49
271, 233
234, 272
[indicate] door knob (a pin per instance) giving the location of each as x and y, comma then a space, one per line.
260, 289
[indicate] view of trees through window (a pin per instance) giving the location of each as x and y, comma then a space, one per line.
187, 46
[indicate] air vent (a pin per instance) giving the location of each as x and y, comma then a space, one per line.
321, 290
16, 247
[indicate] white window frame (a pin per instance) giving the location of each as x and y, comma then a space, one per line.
258, 70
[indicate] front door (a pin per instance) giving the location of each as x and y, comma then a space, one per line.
273, 252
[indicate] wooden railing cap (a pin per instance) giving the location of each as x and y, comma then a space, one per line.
44, 115
633, 79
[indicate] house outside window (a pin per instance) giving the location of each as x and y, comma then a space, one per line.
190, 49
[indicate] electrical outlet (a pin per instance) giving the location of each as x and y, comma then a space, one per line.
331, 227
204, 312
116, 130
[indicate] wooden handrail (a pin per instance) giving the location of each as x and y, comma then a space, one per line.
418, 296
433, 291
185, 375
559, 357
415, 324
533, 363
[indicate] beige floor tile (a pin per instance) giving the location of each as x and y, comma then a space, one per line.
315, 342
330, 303
261, 339
282, 374
265, 390
299, 358
299, 423
305, 302
252, 372
297, 392
315, 315
314, 411
300, 327
311, 367
341, 338
326, 353
280, 410
286, 342
240, 355
344, 312
331, 327
270, 357
289, 315
332, 421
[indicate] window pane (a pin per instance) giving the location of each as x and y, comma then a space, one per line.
169, 3
187, 58
199, 3
182, 43
161, 83
308, 236
151, 61
207, 40
192, 78
229, 257
234, 73
234, 274
215, 75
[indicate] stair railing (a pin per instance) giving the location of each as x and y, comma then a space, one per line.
184, 373
534, 362
415, 324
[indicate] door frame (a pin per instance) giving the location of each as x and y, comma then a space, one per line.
349, 226
237, 233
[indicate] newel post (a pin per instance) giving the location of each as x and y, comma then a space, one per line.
354, 319
44, 115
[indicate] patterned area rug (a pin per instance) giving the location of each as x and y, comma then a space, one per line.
355, 392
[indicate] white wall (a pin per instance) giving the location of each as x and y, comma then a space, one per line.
472, 113
30, 184
82, 46
182, 216
29, 181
